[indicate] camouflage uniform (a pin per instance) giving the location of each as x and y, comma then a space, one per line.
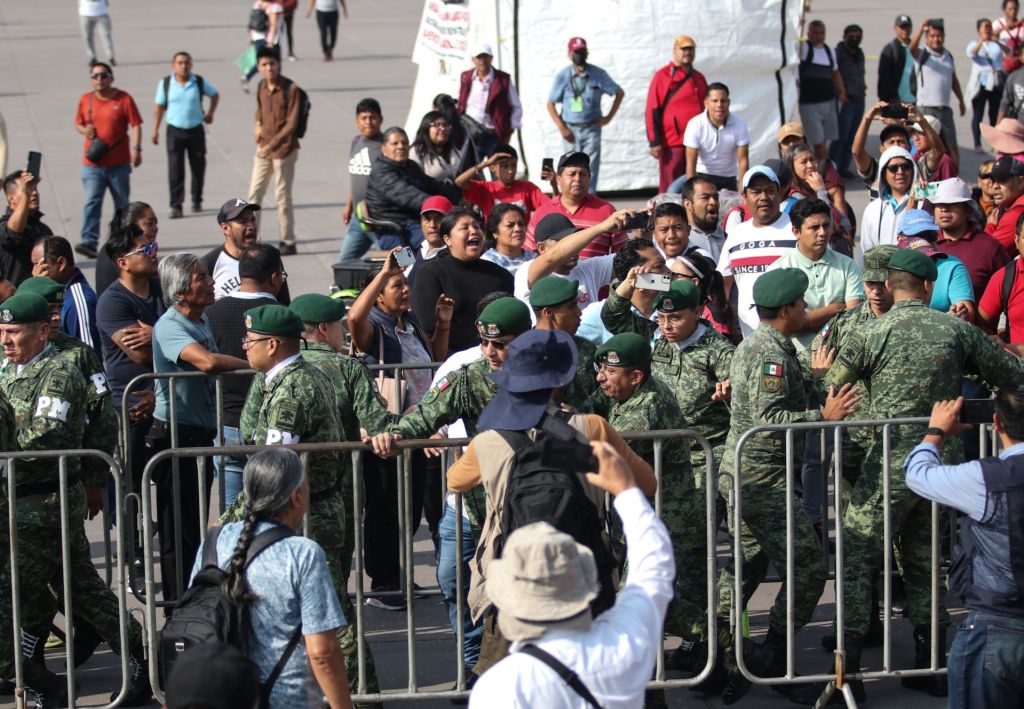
910, 358
48, 400
768, 388
585, 383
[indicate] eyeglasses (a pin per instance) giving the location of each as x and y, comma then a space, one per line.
247, 343
441, 125
984, 176
496, 344
148, 250
893, 168
100, 75
283, 274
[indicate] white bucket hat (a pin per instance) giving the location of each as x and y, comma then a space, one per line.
951, 191
542, 577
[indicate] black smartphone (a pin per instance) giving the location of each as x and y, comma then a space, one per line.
35, 163
639, 220
895, 110
547, 164
977, 411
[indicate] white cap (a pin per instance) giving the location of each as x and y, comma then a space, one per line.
762, 170
951, 191
482, 48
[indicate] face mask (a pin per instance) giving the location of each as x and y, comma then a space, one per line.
853, 42
579, 58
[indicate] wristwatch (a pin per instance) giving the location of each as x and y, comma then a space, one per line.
935, 431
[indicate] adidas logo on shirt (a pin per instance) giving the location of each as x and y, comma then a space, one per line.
359, 164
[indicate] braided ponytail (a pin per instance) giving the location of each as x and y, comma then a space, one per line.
236, 587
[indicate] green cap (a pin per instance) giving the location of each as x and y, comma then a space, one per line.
553, 290
505, 316
627, 349
317, 308
681, 295
876, 263
273, 320
915, 263
783, 286
49, 289
24, 308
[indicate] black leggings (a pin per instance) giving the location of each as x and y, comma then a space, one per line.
328, 24
289, 20
983, 97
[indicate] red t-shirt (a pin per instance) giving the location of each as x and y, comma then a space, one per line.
991, 304
1005, 229
112, 117
593, 211
488, 195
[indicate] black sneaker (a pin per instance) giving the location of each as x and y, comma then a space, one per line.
176, 212
87, 250
286, 249
394, 602
197, 207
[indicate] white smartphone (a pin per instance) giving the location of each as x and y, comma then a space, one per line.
405, 257
653, 281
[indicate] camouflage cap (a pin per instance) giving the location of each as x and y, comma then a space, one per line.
317, 308
915, 263
627, 349
876, 263
681, 295
49, 289
273, 320
24, 308
505, 316
775, 289
553, 290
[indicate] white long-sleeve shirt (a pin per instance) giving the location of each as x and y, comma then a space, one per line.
613, 659
479, 93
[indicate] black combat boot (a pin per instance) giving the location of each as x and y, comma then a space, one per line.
689, 658
139, 693
807, 694
51, 691
935, 685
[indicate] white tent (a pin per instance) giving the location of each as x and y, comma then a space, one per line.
750, 45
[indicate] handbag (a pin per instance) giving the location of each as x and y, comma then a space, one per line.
391, 388
97, 147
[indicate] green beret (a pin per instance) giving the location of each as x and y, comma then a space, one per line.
49, 289
627, 349
25, 308
876, 263
774, 289
273, 320
505, 316
915, 263
317, 308
553, 290
681, 295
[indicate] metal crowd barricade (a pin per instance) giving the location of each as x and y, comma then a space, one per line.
61, 456
838, 680
357, 451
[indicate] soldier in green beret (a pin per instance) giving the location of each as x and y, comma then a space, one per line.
909, 359
48, 399
768, 387
555, 304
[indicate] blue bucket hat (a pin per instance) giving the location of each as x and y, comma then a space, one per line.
916, 221
538, 361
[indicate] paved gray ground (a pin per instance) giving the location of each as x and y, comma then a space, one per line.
44, 73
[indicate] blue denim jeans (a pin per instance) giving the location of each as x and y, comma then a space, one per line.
357, 242
588, 140
96, 181
231, 467
986, 662
849, 120
412, 236
473, 632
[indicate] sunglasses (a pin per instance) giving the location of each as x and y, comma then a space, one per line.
148, 250
100, 75
496, 344
899, 167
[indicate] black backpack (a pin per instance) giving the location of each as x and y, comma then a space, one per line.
206, 613
258, 20
539, 491
200, 84
304, 106
1009, 276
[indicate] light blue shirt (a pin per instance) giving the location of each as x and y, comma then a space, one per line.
592, 327
194, 402
293, 586
184, 109
988, 59
953, 284
959, 486
906, 95
589, 86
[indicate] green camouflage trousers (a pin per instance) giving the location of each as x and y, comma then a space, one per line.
684, 514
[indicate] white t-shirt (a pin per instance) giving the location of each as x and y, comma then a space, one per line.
458, 428
594, 275
935, 78
716, 147
820, 57
93, 8
748, 251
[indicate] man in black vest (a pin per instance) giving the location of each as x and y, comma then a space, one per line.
821, 85
986, 662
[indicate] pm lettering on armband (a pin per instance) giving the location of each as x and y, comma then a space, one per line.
99, 381
52, 408
276, 437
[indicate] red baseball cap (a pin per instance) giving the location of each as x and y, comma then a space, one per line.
437, 203
577, 43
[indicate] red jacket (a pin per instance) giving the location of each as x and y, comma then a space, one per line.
498, 106
1005, 229
684, 104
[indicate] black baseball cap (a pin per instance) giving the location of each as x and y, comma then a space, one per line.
1005, 168
230, 210
554, 226
573, 159
903, 21
891, 128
